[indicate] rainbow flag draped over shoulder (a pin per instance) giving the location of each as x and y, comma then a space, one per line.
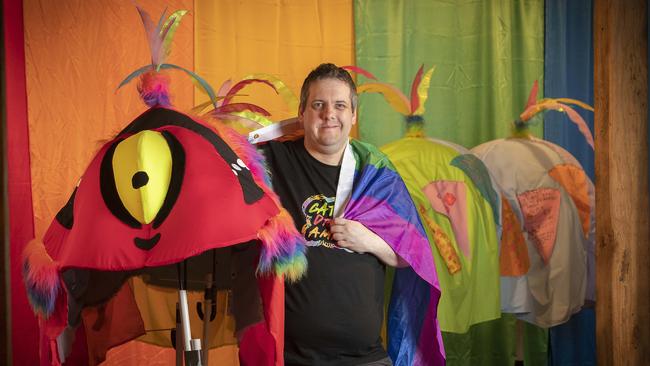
380, 201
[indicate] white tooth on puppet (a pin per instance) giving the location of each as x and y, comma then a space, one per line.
241, 163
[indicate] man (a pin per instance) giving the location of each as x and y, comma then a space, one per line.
334, 315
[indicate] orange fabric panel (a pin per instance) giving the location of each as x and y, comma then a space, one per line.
77, 53
442, 242
513, 259
574, 181
136, 353
541, 210
106, 325
158, 309
283, 38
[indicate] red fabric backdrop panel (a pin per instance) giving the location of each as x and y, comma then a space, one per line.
24, 328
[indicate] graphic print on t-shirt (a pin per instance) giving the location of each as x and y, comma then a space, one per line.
318, 211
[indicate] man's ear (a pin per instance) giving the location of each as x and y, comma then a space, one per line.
300, 118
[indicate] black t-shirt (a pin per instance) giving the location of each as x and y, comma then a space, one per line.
334, 314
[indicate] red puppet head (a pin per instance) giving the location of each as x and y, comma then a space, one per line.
167, 188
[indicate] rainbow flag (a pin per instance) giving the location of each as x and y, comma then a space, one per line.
379, 200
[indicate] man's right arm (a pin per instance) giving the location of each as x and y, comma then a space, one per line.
353, 235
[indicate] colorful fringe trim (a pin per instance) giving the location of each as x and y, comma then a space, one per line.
41, 277
283, 247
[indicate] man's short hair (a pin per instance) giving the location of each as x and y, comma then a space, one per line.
327, 71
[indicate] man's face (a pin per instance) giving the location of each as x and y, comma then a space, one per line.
328, 116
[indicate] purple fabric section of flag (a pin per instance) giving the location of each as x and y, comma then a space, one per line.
400, 234
385, 185
430, 337
381, 202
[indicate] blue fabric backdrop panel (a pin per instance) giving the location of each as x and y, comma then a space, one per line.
574, 342
569, 73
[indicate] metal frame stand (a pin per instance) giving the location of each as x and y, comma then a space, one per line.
191, 347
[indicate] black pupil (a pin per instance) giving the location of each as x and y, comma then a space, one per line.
139, 179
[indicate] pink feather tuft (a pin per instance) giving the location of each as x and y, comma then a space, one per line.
576, 118
223, 90
532, 97
154, 89
415, 98
153, 37
41, 277
360, 71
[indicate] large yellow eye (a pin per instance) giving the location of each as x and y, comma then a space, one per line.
142, 169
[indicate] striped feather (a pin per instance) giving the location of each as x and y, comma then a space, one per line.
580, 122
167, 35
423, 91
240, 107
415, 100
240, 85
285, 92
532, 96
223, 90
393, 96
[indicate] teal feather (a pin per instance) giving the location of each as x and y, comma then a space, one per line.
134, 74
204, 84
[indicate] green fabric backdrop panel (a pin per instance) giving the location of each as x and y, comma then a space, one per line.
494, 343
487, 55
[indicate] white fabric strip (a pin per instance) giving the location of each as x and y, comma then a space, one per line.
346, 179
271, 132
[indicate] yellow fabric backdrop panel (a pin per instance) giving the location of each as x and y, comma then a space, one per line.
77, 52
284, 38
